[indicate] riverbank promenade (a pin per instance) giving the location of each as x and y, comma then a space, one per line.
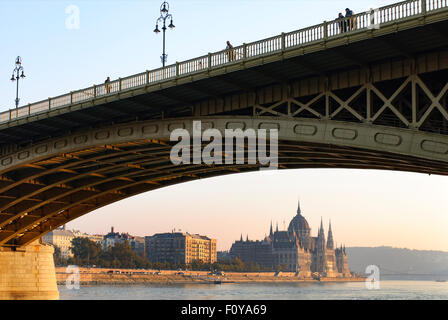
97, 276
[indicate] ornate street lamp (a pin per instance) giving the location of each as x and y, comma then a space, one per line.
164, 15
17, 73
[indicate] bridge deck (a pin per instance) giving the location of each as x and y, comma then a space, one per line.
329, 93
402, 30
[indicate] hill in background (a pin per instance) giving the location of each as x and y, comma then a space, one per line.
394, 261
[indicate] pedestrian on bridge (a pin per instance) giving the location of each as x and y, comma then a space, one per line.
107, 84
342, 23
230, 52
351, 21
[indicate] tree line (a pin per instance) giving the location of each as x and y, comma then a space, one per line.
121, 256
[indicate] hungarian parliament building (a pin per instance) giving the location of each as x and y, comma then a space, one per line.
296, 251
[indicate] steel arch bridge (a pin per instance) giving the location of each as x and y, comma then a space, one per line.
374, 97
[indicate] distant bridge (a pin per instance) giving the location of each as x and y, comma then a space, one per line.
371, 95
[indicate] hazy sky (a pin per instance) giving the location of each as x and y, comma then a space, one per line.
115, 38
366, 207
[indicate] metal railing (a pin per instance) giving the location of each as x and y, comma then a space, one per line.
362, 21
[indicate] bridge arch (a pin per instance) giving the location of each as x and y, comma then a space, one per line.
46, 185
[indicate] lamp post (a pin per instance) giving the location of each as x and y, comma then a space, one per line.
164, 15
16, 77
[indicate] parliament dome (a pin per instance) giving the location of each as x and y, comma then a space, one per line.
299, 224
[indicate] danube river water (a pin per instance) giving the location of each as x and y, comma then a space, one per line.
389, 289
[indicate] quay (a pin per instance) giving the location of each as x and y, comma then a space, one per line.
103, 276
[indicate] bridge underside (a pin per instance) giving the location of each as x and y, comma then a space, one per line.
383, 57
374, 100
48, 185
398, 124
365, 99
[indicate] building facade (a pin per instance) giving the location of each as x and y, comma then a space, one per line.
97, 238
112, 238
62, 239
223, 255
181, 248
295, 250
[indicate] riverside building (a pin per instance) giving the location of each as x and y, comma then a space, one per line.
62, 239
181, 248
295, 250
112, 238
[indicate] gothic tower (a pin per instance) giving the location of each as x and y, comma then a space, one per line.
320, 252
320, 245
342, 262
331, 260
330, 242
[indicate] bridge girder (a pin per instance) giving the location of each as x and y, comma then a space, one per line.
49, 184
365, 99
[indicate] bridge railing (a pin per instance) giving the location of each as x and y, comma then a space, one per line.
285, 41
304, 36
193, 65
436, 4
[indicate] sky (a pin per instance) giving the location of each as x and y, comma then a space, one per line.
115, 38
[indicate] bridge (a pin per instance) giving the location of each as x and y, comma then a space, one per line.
367, 92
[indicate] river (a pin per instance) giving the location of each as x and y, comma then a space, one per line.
389, 289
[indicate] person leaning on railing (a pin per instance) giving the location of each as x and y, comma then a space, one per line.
107, 84
351, 19
230, 52
342, 23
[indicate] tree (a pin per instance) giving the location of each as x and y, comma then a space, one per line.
239, 264
122, 256
57, 257
85, 251
282, 267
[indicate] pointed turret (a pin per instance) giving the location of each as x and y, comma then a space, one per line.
321, 237
271, 232
241, 239
321, 229
276, 229
299, 211
330, 243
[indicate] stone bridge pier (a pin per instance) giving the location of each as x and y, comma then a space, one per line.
28, 273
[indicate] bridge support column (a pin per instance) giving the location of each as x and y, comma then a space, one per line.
28, 273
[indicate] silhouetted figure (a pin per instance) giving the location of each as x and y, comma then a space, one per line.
230, 52
342, 23
350, 19
107, 83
